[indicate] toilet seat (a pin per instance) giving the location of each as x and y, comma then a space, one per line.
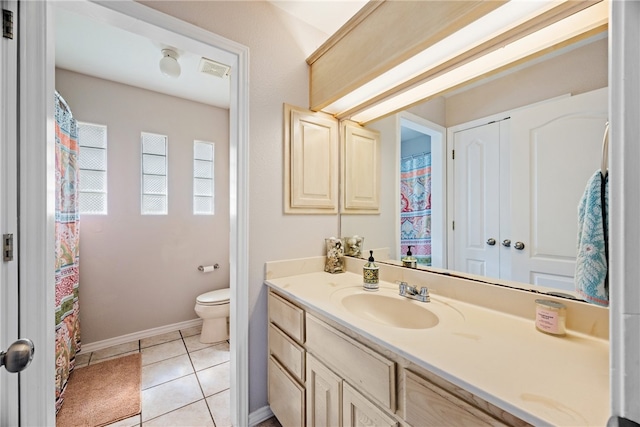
217, 297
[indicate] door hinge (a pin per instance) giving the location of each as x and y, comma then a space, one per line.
7, 247
453, 154
7, 24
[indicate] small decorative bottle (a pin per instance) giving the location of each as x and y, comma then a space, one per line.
370, 274
409, 260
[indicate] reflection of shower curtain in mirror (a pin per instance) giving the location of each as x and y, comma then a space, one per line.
67, 241
415, 205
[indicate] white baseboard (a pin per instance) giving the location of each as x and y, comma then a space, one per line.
260, 415
99, 345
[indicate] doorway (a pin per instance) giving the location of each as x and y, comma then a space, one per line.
423, 142
36, 402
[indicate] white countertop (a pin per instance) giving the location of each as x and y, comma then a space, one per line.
501, 358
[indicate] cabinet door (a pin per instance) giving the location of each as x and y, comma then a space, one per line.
426, 404
555, 149
324, 394
360, 169
358, 411
311, 143
477, 200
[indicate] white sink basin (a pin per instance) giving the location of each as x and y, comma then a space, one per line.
385, 308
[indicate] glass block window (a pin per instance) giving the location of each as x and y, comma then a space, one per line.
203, 194
154, 174
92, 169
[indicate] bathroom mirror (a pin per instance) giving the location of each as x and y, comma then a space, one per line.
575, 69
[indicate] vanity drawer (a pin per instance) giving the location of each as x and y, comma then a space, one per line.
286, 396
357, 364
287, 352
426, 404
287, 317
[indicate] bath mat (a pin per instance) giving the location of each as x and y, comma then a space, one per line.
103, 393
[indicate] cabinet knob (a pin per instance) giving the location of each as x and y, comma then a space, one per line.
506, 243
491, 242
519, 246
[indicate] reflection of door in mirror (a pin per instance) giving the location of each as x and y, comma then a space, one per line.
476, 200
549, 151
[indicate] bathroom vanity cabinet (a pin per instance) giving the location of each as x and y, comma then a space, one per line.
323, 374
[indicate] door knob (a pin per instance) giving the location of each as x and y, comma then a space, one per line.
491, 242
18, 356
519, 246
506, 243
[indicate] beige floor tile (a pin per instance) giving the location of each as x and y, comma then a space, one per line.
82, 359
166, 370
210, 356
195, 414
195, 330
115, 350
164, 398
215, 379
128, 422
162, 351
219, 407
193, 343
159, 339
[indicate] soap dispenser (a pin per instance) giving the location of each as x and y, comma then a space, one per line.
370, 274
409, 260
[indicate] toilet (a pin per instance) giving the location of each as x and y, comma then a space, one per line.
213, 308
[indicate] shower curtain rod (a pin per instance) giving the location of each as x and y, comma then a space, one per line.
415, 155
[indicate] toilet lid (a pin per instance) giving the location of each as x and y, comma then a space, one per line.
219, 296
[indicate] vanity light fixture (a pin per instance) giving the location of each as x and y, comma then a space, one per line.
588, 23
169, 63
491, 34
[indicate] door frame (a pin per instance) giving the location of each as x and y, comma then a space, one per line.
37, 183
9, 216
624, 204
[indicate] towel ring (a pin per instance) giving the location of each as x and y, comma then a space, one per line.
604, 166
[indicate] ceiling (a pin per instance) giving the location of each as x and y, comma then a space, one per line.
92, 47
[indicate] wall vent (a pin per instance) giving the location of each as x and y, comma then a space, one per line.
214, 68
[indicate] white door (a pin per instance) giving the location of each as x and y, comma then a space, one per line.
476, 190
548, 140
8, 215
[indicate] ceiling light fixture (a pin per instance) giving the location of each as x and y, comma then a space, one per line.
169, 63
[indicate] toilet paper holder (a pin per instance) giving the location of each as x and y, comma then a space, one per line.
208, 268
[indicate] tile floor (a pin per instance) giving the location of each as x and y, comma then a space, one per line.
184, 382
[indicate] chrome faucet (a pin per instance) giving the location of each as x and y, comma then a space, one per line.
412, 292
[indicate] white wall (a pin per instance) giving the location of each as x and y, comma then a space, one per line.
580, 70
279, 45
140, 272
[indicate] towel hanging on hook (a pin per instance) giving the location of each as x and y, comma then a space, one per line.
604, 166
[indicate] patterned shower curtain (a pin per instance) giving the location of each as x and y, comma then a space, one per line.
67, 242
415, 203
